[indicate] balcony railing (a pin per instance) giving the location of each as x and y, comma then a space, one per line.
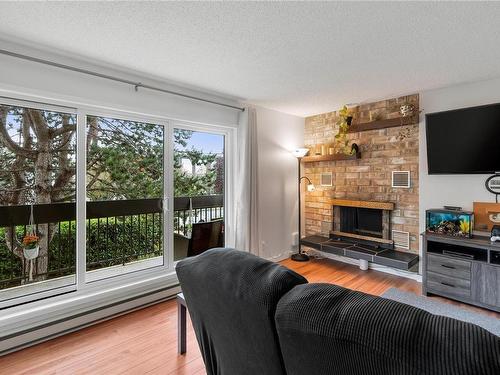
118, 232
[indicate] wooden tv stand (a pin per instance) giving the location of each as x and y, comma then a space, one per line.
463, 269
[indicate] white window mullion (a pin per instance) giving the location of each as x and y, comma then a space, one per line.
168, 197
81, 163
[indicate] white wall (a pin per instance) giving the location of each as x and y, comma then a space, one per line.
454, 190
278, 135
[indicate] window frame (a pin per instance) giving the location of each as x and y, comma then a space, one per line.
229, 142
84, 278
31, 293
83, 285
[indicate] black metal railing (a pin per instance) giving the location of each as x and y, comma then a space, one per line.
118, 232
188, 210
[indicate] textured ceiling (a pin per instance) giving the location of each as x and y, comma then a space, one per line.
300, 58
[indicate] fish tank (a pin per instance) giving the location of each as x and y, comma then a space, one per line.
450, 222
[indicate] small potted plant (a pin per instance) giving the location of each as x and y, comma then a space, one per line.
31, 246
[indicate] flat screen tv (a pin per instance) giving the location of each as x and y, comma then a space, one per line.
464, 141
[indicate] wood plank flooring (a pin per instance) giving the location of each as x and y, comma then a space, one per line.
145, 341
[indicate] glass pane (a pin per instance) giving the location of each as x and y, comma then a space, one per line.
37, 200
199, 172
124, 195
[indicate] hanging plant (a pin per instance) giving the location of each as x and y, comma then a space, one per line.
31, 246
341, 141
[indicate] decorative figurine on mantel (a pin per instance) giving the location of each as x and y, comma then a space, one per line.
407, 109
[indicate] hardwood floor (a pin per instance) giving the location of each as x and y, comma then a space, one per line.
145, 341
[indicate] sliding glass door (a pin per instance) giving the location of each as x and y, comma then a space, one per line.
129, 199
199, 188
125, 191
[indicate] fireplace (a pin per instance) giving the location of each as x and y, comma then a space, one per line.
362, 220
362, 231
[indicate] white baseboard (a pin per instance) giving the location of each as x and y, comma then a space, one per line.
372, 266
281, 256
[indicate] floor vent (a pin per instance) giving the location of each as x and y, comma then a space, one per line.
400, 179
401, 239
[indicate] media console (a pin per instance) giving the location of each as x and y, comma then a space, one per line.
463, 269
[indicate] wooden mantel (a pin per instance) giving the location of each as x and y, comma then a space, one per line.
363, 204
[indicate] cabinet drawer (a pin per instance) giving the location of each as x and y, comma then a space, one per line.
449, 285
448, 266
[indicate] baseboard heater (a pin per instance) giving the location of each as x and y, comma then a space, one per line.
45, 332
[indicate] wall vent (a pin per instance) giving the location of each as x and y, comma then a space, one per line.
401, 239
326, 179
400, 179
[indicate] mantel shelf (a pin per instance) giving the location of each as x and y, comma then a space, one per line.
363, 204
334, 157
383, 124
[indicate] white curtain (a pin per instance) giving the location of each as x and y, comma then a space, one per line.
246, 188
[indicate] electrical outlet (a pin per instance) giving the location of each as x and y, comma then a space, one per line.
295, 238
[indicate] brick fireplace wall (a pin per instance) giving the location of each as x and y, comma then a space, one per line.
368, 178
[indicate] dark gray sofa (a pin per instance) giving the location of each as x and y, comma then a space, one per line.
252, 316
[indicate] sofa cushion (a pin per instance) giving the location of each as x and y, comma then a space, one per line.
327, 329
232, 297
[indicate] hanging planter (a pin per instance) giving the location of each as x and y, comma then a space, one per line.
31, 242
31, 246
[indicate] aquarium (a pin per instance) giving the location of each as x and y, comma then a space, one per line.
450, 222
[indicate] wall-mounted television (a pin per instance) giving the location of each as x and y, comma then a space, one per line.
464, 141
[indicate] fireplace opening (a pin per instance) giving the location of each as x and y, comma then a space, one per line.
362, 221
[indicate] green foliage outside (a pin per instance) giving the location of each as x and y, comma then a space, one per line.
126, 162
110, 242
192, 184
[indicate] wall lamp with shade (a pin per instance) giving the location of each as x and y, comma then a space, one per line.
299, 154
